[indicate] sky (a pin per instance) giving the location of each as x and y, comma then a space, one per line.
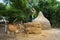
58, 0
1, 1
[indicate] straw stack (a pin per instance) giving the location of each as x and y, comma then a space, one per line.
31, 28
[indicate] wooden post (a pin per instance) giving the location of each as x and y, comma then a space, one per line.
5, 23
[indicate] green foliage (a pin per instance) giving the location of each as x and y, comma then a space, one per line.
2, 6
20, 4
50, 8
21, 9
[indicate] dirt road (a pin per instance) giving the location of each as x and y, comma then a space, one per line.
53, 34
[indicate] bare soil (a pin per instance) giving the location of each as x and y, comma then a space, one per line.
53, 34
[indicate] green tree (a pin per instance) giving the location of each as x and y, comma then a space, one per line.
50, 8
2, 6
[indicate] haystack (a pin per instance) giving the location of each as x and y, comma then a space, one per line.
45, 24
32, 28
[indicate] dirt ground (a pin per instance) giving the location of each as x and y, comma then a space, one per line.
53, 34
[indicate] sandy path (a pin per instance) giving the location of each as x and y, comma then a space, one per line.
53, 34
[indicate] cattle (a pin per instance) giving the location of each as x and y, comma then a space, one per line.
13, 28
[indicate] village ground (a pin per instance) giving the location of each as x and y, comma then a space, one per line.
53, 34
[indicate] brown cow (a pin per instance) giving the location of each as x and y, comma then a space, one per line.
12, 28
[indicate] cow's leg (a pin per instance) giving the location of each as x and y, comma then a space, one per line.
5, 28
